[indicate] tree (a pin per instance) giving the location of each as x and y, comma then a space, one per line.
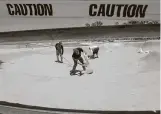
116, 23
132, 22
155, 22
124, 23
95, 24
98, 23
87, 25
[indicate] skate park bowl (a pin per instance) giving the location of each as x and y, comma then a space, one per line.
126, 77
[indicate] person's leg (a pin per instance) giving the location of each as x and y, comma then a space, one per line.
97, 51
57, 55
97, 54
93, 53
61, 56
81, 60
75, 64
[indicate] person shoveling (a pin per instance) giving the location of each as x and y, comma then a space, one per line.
78, 59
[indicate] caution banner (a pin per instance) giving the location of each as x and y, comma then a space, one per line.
112, 9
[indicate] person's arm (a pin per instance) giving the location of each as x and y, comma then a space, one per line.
83, 51
80, 49
62, 49
56, 46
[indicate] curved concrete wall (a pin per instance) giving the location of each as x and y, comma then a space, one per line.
83, 33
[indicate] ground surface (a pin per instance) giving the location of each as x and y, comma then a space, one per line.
122, 80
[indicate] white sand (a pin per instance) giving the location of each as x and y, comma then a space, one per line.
122, 80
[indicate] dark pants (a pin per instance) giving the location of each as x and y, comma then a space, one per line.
76, 62
59, 53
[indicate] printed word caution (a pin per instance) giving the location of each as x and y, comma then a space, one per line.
118, 10
30, 9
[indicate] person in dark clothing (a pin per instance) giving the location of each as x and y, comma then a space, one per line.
59, 51
77, 57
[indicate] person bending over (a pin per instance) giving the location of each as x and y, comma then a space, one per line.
78, 58
94, 50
